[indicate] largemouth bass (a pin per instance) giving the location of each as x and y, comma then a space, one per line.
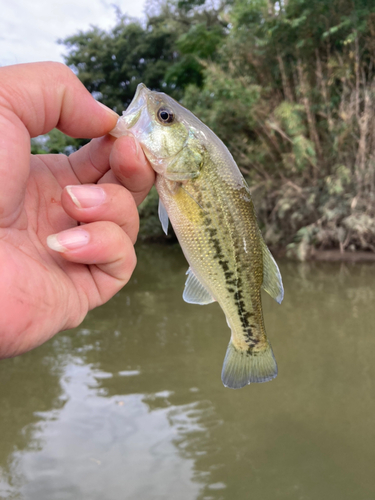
203, 194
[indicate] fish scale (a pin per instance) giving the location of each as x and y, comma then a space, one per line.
217, 252
209, 205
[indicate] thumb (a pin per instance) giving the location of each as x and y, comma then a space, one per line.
35, 98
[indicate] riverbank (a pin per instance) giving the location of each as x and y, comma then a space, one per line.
337, 256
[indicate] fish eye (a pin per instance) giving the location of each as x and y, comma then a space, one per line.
165, 115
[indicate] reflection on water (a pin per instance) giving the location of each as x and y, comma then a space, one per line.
130, 405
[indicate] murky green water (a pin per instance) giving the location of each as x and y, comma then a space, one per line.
130, 405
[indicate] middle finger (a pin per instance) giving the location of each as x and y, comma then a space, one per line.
104, 202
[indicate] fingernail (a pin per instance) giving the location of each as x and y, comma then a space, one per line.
109, 110
86, 196
68, 240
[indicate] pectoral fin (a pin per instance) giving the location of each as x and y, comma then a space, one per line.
195, 292
163, 216
272, 282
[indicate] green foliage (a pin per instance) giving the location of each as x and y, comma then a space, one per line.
291, 118
55, 142
288, 85
188, 5
339, 182
150, 226
111, 65
200, 40
164, 54
313, 63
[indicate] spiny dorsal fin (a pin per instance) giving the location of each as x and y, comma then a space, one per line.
195, 292
272, 282
163, 216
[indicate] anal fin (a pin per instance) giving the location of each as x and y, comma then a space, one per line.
195, 292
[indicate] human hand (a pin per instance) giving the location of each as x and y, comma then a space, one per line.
46, 289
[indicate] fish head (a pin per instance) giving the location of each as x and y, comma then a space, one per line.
158, 123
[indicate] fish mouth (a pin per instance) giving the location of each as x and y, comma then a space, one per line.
136, 121
132, 113
131, 116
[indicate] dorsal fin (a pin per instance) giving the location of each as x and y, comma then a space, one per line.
272, 282
195, 292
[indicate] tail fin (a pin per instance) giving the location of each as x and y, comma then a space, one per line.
241, 367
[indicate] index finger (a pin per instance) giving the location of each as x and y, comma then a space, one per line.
131, 168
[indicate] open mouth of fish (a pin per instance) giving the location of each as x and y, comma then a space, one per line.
135, 117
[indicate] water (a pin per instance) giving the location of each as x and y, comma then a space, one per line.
130, 405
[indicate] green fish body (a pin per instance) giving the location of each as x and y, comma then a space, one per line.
209, 205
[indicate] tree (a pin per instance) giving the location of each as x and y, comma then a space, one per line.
164, 55
289, 85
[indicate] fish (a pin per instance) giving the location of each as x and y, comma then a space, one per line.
207, 200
